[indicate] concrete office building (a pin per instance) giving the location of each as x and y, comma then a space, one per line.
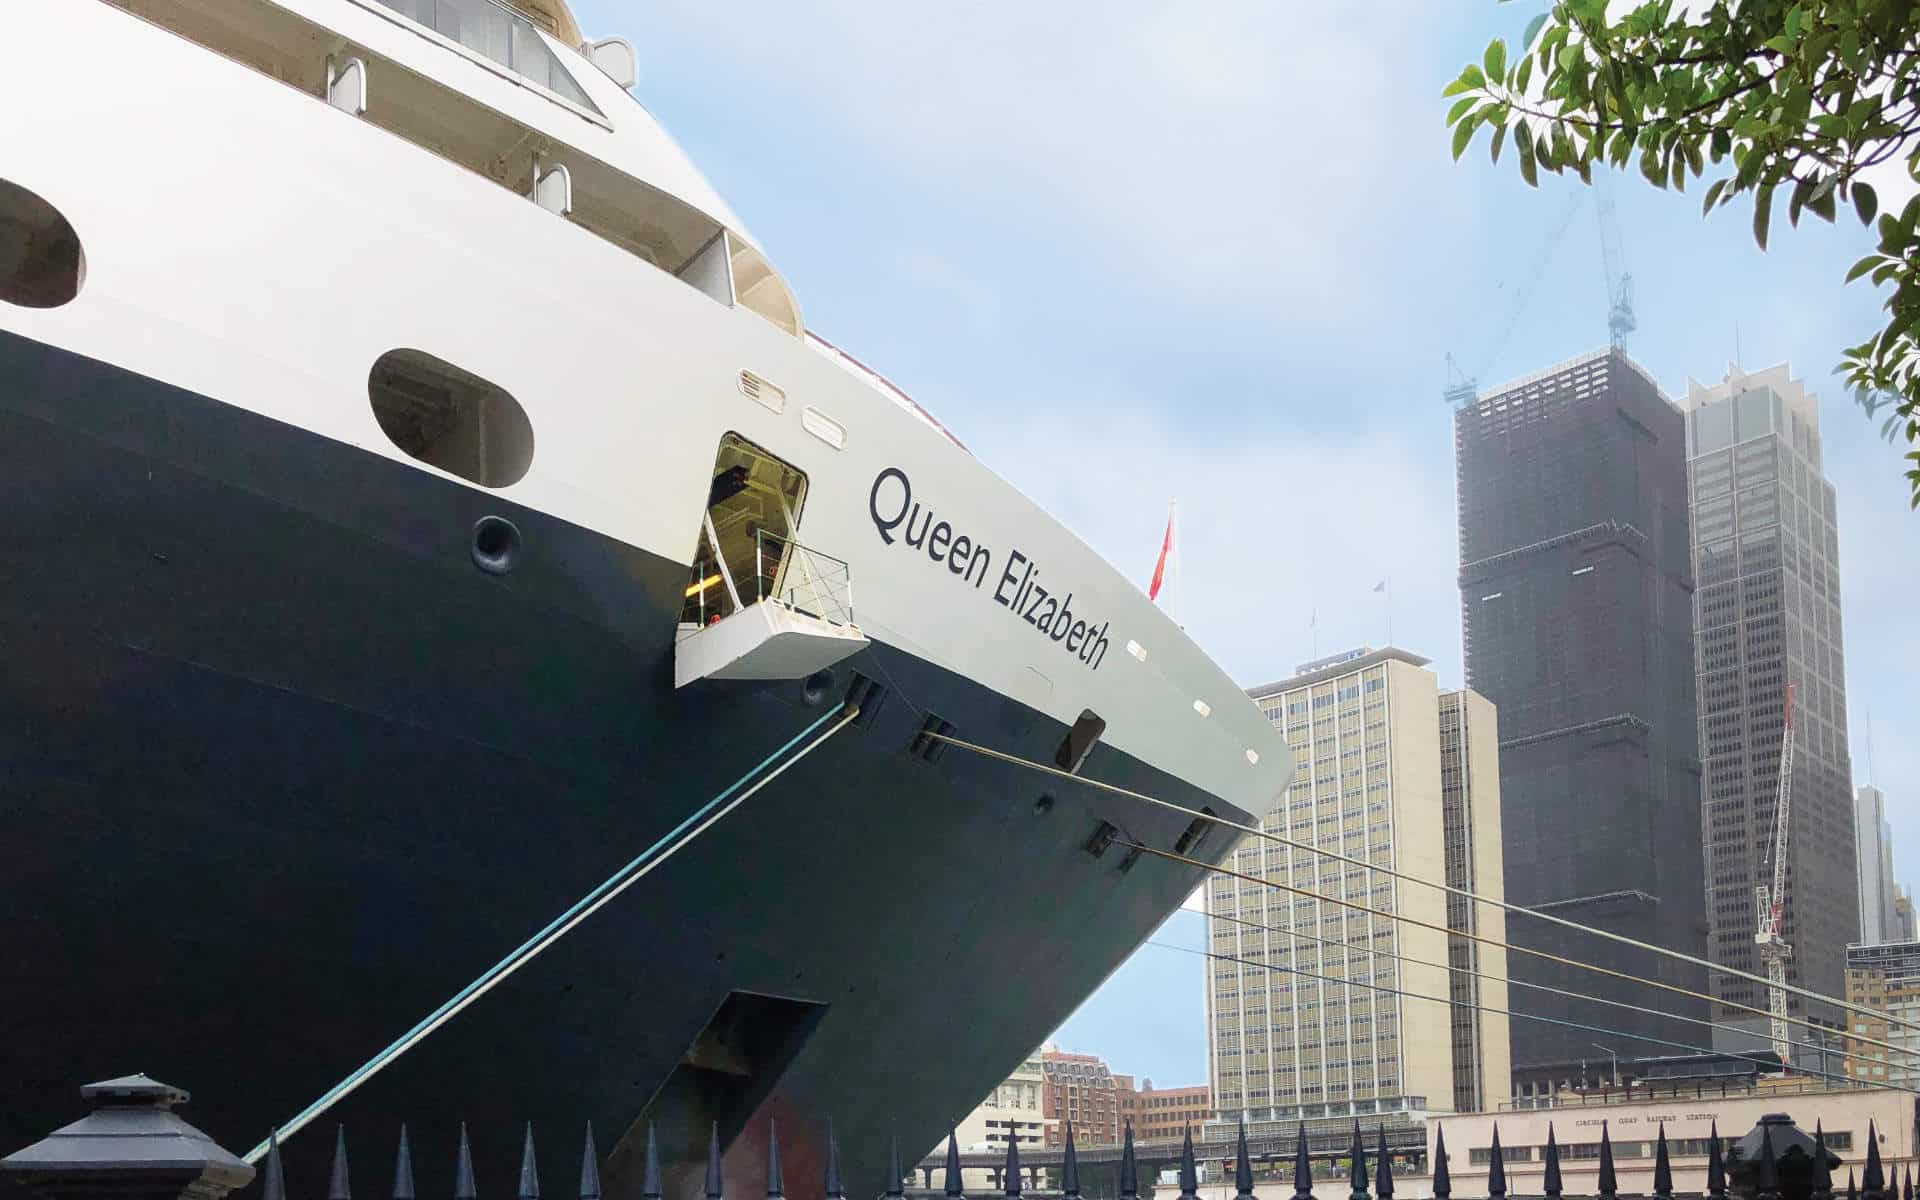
1162, 1113
1014, 1109
1873, 862
1298, 1020
1767, 613
1886, 979
1577, 620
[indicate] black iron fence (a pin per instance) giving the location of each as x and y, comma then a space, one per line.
132, 1146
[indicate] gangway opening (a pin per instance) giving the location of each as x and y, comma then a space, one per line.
759, 604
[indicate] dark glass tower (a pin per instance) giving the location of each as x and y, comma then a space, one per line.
1576, 607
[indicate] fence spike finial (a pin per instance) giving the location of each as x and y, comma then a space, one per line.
1551, 1185
1383, 1168
1070, 1168
275, 1186
1012, 1184
1242, 1165
836, 1188
1822, 1173
1609, 1183
1129, 1169
1442, 1178
403, 1168
590, 1167
1716, 1164
463, 1185
1496, 1168
1302, 1165
954, 1186
776, 1181
529, 1170
1853, 1190
715, 1181
895, 1188
1189, 1173
650, 1186
1908, 1193
337, 1186
1873, 1180
1358, 1178
1662, 1166
1767, 1186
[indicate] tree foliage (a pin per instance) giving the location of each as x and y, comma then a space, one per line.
1779, 100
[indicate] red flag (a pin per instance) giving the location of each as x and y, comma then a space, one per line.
1160, 568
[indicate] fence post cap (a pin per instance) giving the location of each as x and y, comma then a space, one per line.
130, 1143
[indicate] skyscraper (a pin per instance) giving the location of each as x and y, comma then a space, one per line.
1577, 621
1310, 1012
1767, 613
1873, 863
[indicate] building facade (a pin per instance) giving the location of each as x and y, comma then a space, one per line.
1903, 925
1576, 606
1014, 1109
1319, 1007
1873, 862
1766, 614
1470, 823
1158, 1113
1079, 1088
1886, 979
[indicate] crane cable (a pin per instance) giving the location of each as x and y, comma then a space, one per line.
1521, 983
1202, 815
1491, 941
1488, 1008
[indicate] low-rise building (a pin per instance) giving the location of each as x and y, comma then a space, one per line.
1079, 1088
1886, 979
1168, 1112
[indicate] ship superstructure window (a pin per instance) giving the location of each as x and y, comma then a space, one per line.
746, 538
499, 34
41, 264
451, 418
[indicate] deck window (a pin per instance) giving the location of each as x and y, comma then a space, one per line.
498, 34
451, 418
41, 264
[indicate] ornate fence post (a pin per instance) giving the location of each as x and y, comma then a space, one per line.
1768, 1187
275, 1187
463, 1185
337, 1186
1496, 1168
403, 1168
1383, 1169
1822, 1188
1662, 1167
1015, 1187
1716, 1165
1302, 1167
776, 1180
1070, 1169
835, 1188
1853, 1192
529, 1188
1609, 1185
1873, 1180
131, 1145
1551, 1185
1129, 1169
1189, 1173
1358, 1179
1442, 1178
716, 1182
895, 1188
954, 1185
1242, 1166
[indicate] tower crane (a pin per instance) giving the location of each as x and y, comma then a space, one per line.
1620, 320
1770, 903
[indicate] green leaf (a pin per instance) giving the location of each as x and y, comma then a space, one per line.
1461, 108
1713, 195
1499, 139
1523, 75
1462, 134
1865, 201
1533, 28
1821, 203
1678, 170
1523, 143
1862, 267
1455, 88
1801, 190
1496, 59
1762, 213
1472, 77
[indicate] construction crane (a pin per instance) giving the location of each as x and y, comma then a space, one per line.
1771, 903
1463, 387
1619, 280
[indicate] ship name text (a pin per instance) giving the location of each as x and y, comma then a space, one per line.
900, 519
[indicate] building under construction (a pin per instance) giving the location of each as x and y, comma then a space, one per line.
1578, 624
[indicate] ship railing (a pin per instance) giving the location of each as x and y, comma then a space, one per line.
802, 579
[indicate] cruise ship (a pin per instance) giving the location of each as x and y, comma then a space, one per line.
423, 499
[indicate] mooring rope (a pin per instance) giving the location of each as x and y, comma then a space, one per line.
1450, 889
671, 843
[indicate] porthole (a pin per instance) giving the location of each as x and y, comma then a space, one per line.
41, 263
496, 545
450, 418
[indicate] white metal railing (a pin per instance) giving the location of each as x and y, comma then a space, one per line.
802, 579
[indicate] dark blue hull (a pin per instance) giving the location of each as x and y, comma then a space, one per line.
281, 771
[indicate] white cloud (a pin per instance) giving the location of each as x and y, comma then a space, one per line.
1239, 151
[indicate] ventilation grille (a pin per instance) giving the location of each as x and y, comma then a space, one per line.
928, 748
765, 394
867, 696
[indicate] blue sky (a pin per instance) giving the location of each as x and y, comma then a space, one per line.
1220, 252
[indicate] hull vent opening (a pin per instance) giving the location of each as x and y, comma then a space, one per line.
1079, 742
1103, 835
450, 418
926, 748
867, 696
1195, 834
41, 263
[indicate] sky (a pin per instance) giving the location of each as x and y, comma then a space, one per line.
1220, 253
